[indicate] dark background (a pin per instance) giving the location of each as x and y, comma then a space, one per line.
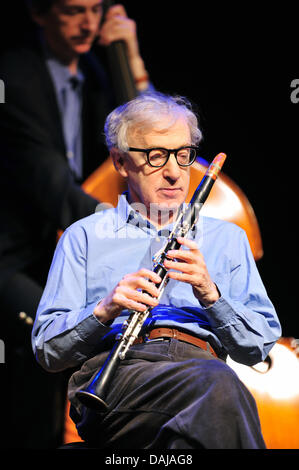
236, 64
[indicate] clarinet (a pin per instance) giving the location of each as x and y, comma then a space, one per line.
93, 397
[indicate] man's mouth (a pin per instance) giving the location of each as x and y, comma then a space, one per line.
83, 39
170, 192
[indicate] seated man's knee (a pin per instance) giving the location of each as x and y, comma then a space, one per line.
216, 376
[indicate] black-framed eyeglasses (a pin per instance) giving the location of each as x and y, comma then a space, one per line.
158, 157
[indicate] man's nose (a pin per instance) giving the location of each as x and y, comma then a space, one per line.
172, 169
90, 21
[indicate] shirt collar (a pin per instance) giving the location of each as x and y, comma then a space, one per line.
59, 72
127, 215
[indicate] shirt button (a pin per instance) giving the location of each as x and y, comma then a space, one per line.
70, 154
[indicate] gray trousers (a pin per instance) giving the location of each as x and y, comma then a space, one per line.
169, 395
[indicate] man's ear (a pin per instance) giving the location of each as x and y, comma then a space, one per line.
118, 161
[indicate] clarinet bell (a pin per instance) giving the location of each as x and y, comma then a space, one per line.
91, 401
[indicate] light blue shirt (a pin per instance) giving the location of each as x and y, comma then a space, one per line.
95, 253
68, 90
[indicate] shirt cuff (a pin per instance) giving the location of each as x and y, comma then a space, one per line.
90, 329
221, 313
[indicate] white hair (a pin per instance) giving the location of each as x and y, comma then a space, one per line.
144, 113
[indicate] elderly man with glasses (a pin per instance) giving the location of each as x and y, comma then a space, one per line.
173, 390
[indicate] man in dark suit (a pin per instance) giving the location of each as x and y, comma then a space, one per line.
57, 96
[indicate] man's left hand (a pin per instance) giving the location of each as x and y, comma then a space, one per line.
190, 267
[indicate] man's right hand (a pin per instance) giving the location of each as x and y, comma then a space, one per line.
118, 27
135, 291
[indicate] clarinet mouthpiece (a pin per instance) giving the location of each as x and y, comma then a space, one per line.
216, 166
